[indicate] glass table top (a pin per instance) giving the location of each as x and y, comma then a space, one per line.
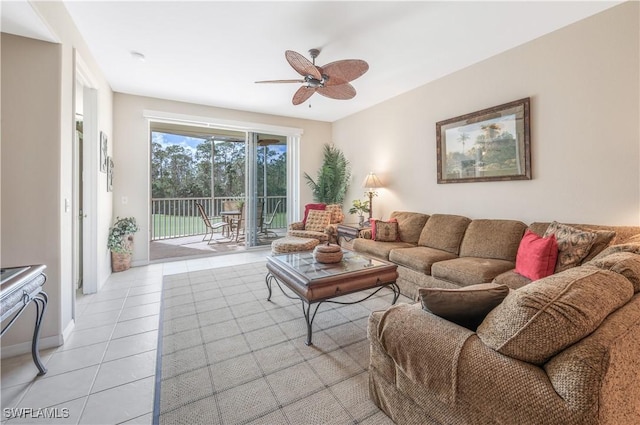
304, 263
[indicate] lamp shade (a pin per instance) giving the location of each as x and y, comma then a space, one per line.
371, 181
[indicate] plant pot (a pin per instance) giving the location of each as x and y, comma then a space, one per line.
360, 220
120, 262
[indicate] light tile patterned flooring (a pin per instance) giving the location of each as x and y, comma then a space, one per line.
105, 372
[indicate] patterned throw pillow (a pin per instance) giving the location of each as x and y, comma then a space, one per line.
309, 207
385, 231
317, 220
573, 244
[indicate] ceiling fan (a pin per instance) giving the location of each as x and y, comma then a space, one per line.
331, 80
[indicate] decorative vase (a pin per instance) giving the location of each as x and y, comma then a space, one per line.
361, 220
121, 261
327, 254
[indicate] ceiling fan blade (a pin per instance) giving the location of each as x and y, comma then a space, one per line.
302, 94
344, 70
279, 81
342, 92
302, 65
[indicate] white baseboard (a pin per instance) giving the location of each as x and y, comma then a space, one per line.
139, 263
25, 347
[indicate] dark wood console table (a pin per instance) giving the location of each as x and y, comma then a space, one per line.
19, 287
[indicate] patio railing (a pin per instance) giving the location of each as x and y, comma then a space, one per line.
176, 217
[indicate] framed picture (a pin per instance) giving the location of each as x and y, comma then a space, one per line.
488, 145
103, 152
109, 174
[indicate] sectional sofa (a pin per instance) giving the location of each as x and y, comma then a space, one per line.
564, 349
450, 251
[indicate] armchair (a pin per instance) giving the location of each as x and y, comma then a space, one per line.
323, 231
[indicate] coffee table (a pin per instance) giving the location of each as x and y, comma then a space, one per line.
316, 283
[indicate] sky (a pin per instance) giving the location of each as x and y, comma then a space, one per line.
190, 143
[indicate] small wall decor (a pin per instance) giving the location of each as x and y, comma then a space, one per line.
103, 151
109, 174
488, 145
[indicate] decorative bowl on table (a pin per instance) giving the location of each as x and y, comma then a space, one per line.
329, 253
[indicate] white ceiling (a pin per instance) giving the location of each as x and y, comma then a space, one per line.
211, 52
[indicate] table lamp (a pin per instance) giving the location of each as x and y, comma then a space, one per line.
371, 182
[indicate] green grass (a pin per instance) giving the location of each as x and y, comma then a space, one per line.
168, 226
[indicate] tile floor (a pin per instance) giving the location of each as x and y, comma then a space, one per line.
105, 372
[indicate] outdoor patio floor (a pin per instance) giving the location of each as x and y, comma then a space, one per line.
192, 246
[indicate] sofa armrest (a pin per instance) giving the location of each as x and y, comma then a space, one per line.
297, 225
424, 346
603, 369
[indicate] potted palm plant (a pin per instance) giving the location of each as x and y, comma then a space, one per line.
332, 182
120, 242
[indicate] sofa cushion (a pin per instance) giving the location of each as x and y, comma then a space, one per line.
419, 258
536, 256
410, 224
309, 207
625, 263
377, 249
497, 239
603, 240
606, 235
573, 244
337, 216
444, 231
541, 319
512, 279
470, 270
317, 221
466, 306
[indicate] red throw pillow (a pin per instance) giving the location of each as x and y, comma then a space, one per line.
394, 234
310, 207
536, 256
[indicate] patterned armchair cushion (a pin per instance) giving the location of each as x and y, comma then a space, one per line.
337, 216
321, 236
317, 220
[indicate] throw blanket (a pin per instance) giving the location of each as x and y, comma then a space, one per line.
425, 347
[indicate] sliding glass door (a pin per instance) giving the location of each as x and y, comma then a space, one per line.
266, 184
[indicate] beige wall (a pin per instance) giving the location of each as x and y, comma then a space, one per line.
583, 81
30, 225
38, 80
132, 152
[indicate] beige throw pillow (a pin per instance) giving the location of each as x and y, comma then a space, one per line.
466, 306
573, 244
317, 220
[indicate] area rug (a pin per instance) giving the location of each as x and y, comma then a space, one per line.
226, 355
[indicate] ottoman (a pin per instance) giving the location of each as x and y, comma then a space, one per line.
293, 244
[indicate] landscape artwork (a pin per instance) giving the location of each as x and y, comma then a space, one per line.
488, 145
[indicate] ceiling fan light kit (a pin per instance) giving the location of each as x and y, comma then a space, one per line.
331, 80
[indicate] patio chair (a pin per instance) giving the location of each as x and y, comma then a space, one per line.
236, 221
210, 227
265, 224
